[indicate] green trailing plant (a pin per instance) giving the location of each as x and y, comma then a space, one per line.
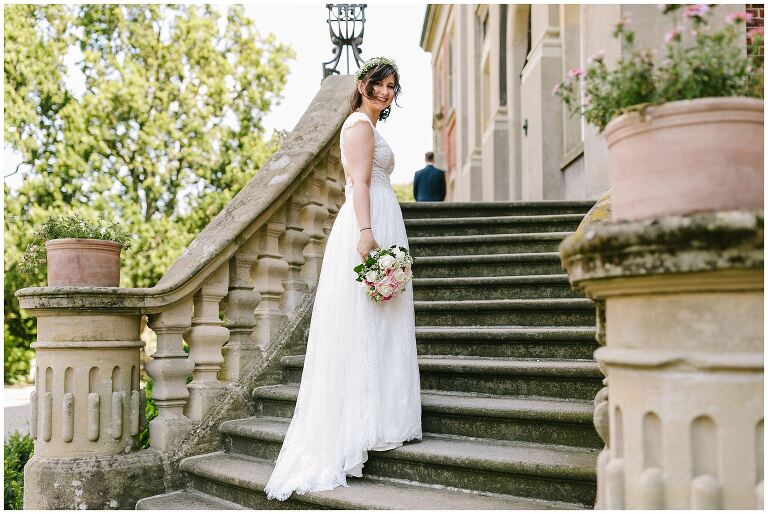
65, 227
18, 449
711, 63
150, 413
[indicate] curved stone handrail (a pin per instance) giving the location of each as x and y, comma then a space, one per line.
230, 228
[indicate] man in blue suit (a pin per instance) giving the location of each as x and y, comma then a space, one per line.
429, 183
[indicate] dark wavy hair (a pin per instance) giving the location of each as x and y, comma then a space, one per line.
377, 74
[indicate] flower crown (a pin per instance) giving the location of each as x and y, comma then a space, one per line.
372, 63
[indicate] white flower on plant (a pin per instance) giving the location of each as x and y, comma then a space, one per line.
400, 276
387, 262
385, 289
371, 276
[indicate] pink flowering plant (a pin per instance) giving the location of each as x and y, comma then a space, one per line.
385, 273
695, 62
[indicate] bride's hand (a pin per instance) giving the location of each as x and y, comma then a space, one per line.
366, 244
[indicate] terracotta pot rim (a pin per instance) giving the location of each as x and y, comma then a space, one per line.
689, 107
72, 242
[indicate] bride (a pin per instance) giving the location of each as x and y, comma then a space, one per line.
360, 384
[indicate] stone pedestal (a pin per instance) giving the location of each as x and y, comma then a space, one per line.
683, 356
107, 482
87, 410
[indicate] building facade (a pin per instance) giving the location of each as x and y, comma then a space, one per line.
498, 131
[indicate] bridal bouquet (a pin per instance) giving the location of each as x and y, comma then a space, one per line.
385, 273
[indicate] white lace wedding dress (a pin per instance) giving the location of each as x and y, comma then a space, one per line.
360, 385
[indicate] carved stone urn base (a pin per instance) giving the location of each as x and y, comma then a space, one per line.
683, 357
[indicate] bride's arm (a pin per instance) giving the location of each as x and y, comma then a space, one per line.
358, 148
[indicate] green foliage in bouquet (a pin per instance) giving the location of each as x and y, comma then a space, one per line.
715, 64
64, 227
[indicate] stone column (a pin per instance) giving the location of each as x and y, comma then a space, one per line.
241, 350
684, 357
86, 411
313, 216
292, 245
334, 181
271, 270
205, 337
541, 112
169, 368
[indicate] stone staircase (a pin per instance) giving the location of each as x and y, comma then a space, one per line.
508, 381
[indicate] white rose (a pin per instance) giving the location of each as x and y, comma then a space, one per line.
371, 276
387, 261
399, 255
385, 290
400, 276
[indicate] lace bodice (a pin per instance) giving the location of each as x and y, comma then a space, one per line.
383, 158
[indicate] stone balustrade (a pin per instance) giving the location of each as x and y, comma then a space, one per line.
682, 335
255, 263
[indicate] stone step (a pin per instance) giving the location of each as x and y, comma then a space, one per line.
486, 244
186, 500
555, 473
426, 227
527, 312
485, 209
505, 264
537, 420
242, 478
577, 379
494, 288
508, 341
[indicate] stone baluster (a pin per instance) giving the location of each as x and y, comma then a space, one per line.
684, 357
241, 350
335, 192
169, 369
205, 337
313, 216
270, 272
292, 245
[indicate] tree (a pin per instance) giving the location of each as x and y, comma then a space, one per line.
168, 129
404, 192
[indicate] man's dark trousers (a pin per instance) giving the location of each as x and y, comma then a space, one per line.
429, 185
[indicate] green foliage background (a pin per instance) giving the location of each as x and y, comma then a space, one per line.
17, 450
404, 192
168, 129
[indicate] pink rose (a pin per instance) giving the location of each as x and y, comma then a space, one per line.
575, 73
696, 11
597, 56
738, 17
673, 35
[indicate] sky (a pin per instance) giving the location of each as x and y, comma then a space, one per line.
393, 30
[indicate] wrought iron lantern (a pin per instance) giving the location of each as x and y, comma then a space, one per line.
346, 23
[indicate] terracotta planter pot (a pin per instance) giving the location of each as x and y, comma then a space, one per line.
83, 262
687, 156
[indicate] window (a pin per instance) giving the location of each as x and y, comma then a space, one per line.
503, 56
